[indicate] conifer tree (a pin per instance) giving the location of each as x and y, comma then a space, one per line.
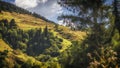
46, 31
13, 24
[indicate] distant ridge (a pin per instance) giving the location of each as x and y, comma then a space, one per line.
5, 6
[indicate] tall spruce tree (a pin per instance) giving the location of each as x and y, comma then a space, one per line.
13, 24
46, 31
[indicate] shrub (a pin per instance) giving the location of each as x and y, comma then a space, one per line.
104, 58
61, 40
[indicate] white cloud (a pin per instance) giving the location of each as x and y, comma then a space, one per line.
28, 3
55, 9
47, 8
43, 1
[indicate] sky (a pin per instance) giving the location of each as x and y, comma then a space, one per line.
47, 8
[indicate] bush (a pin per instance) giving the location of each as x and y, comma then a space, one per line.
104, 58
17, 65
22, 45
43, 57
3, 62
61, 40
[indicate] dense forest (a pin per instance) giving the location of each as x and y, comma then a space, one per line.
100, 47
32, 42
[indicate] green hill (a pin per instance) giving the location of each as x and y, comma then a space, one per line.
29, 40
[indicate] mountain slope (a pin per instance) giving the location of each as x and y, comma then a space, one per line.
14, 57
26, 26
26, 22
32, 41
5, 6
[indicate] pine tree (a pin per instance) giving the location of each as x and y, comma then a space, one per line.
13, 24
46, 31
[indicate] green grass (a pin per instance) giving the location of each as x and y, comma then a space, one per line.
14, 55
27, 22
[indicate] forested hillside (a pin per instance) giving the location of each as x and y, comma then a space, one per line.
28, 40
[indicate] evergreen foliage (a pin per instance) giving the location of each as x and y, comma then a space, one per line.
34, 42
101, 33
3, 56
100, 49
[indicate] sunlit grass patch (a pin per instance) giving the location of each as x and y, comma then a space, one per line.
4, 46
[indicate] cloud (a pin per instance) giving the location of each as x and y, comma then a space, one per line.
47, 8
50, 9
28, 3
42, 1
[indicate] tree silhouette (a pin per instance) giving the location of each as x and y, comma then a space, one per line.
117, 14
13, 24
46, 31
